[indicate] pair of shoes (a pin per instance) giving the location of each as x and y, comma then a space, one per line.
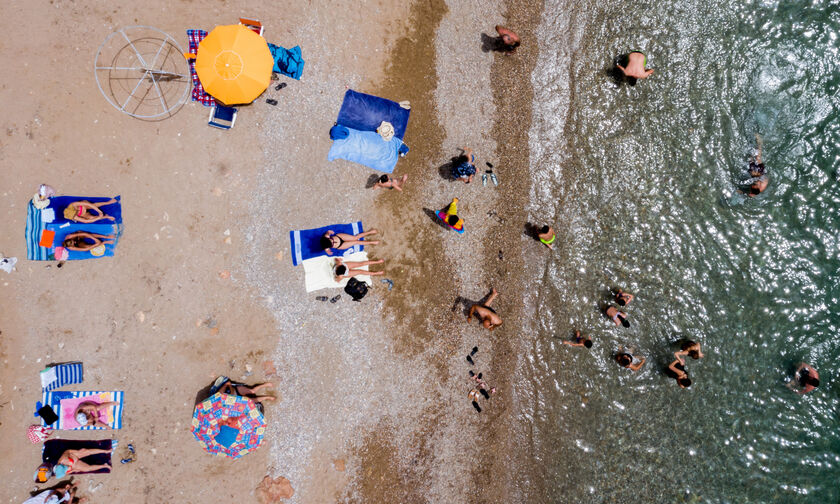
335, 299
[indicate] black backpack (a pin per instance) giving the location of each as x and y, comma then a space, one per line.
356, 289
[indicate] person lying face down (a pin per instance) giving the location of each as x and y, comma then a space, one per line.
343, 241
488, 316
347, 269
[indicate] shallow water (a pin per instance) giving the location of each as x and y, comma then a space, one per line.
642, 182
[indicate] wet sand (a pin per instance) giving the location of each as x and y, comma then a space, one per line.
372, 396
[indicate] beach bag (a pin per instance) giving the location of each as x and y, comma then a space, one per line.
356, 289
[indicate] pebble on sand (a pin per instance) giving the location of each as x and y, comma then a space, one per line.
339, 465
269, 490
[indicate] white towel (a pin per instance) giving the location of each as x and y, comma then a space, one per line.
319, 272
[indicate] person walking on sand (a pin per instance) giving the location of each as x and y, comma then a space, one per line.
350, 269
509, 40
626, 360
488, 316
78, 211
579, 341
635, 69
343, 241
547, 236
805, 379
623, 298
618, 317
387, 182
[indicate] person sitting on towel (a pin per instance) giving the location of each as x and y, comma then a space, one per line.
78, 211
80, 241
343, 241
349, 269
70, 462
87, 413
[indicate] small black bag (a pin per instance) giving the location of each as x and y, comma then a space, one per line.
356, 289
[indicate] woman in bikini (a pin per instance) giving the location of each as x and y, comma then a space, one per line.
87, 413
350, 269
626, 360
690, 348
79, 211
623, 298
676, 370
388, 182
79, 241
343, 241
618, 317
71, 462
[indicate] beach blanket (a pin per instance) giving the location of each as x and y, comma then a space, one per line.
319, 272
65, 403
58, 228
55, 448
366, 112
61, 374
367, 148
198, 93
287, 61
306, 242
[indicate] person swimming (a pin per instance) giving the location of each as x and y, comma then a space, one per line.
635, 68
627, 360
676, 370
758, 172
690, 348
618, 317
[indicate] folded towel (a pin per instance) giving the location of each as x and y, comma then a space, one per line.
319, 272
64, 404
55, 448
48, 215
198, 93
306, 242
62, 374
287, 61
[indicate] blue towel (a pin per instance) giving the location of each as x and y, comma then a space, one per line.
366, 112
34, 227
305, 243
287, 61
61, 374
367, 148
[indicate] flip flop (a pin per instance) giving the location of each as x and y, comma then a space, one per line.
335, 299
494, 179
484, 179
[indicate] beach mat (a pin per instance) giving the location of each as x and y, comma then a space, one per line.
288, 62
306, 242
60, 375
64, 404
319, 272
35, 227
54, 448
367, 148
194, 37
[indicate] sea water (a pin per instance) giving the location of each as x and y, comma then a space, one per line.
641, 183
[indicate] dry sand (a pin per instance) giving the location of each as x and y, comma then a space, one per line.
372, 396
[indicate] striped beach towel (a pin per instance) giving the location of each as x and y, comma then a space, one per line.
34, 227
198, 93
62, 374
65, 403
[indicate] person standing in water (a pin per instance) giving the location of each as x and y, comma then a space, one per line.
627, 360
805, 379
579, 341
618, 317
635, 69
623, 298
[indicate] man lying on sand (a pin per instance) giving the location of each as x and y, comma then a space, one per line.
489, 318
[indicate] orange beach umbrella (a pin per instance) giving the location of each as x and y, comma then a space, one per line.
234, 64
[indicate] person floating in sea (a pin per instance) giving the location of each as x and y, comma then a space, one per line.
488, 316
676, 370
547, 236
636, 62
387, 182
618, 317
508, 40
579, 340
690, 348
623, 298
805, 379
759, 180
628, 361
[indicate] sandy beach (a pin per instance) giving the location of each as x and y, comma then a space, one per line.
372, 396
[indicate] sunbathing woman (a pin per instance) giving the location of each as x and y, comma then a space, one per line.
79, 241
71, 462
348, 269
343, 241
87, 414
251, 393
78, 211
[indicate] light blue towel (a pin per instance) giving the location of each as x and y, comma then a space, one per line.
368, 148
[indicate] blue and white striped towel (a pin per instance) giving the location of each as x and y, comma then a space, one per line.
61, 375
